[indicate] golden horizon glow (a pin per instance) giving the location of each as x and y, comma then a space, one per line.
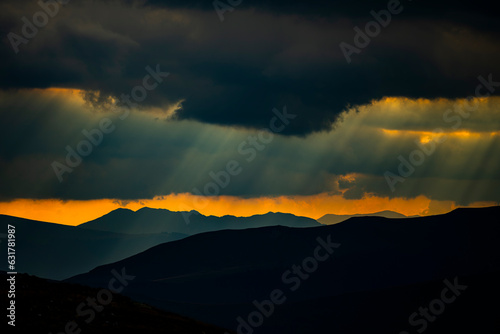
74, 212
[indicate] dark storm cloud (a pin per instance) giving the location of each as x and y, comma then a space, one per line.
360, 8
264, 55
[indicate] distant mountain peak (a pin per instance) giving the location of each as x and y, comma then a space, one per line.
122, 210
146, 209
330, 219
149, 220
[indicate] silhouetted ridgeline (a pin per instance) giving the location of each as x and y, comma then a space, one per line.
44, 306
382, 272
147, 220
330, 219
58, 251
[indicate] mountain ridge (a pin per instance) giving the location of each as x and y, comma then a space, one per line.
149, 220
330, 218
58, 251
214, 276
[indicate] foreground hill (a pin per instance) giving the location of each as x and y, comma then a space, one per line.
47, 307
147, 220
330, 219
58, 251
376, 265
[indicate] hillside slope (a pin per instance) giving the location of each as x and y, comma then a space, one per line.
216, 276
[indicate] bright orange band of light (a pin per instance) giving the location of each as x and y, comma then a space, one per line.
77, 212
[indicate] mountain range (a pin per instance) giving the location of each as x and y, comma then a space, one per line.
147, 220
57, 251
380, 268
271, 273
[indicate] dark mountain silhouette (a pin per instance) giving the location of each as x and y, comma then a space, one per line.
147, 220
44, 306
58, 251
382, 266
330, 219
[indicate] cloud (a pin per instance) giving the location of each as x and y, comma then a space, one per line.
263, 56
147, 157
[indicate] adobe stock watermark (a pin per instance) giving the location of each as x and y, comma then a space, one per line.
94, 137
223, 6
372, 29
248, 149
103, 297
417, 157
40, 19
421, 319
293, 279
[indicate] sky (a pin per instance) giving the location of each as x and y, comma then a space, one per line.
246, 107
